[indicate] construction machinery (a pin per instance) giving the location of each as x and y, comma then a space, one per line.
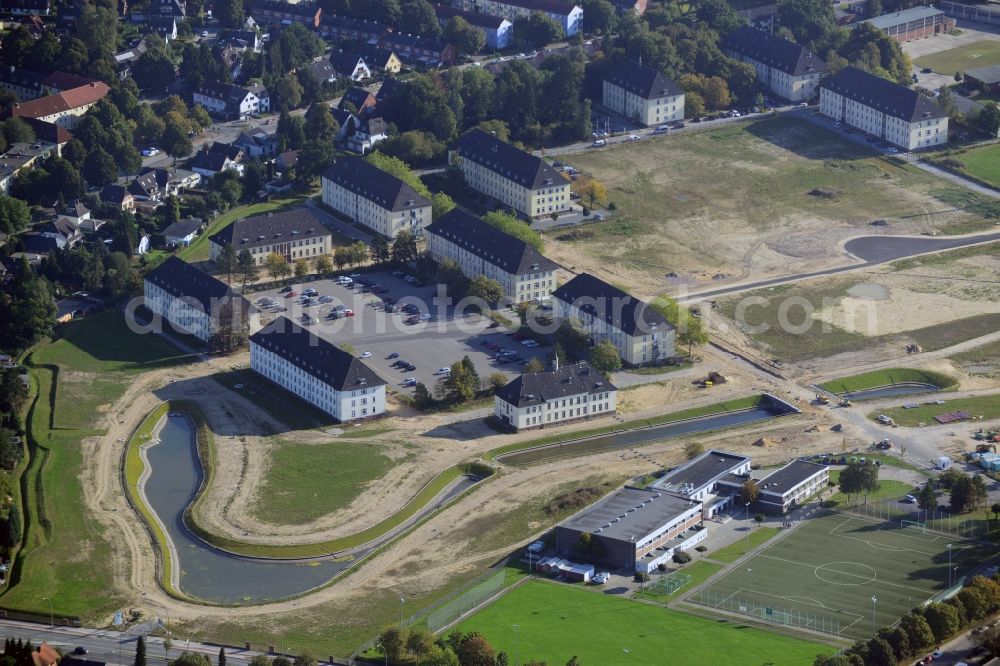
822, 399
845, 402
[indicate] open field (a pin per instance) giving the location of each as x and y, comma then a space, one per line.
824, 574
887, 489
65, 556
935, 302
887, 377
307, 481
961, 58
737, 549
557, 621
982, 163
791, 192
984, 360
986, 406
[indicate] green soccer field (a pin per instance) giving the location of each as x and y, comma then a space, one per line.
977, 54
556, 621
824, 574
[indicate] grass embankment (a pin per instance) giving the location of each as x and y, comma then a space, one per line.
887, 489
557, 621
699, 571
280, 404
888, 377
66, 556
983, 360
695, 412
308, 481
984, 406
982, 163
759, 534
198, 250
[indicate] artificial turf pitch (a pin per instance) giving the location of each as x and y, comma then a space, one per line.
824, 574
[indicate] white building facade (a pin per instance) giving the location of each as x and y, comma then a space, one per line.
380, 201
569, 393
644, 94
786, 69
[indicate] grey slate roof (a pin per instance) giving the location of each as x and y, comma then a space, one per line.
887, 21
182, 228
179, 278
510, 254
297, 223
345, 62
773, 51
643, 80
445, 14
370, 182
988, 75
523, 168
884, 95
629, 514
604, 301
316, 356
535, 388
356, 96
557, 7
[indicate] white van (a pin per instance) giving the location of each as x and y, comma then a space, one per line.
343, 281
600, 143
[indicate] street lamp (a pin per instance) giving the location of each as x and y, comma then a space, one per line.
515, 644
51, 613
750, 585
949, 566
748, 529
874, 602
401, 602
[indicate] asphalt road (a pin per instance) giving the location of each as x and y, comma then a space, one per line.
872, 250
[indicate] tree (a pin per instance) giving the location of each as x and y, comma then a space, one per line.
486, 288
379, 250
422, 398
694, 105
414, 147
537, 30
693, 449
175, 141
14, 215
322, 265
918, 631
246, 267
927, 498
593, 191
947, 102
419, 18
749, 491
64, 180
974, 601
880, 653
404, 247
313, 160
227, 262
230, 13
943, 620
287, 93
222, 657
465, 38
988, 120
599, 16
534, 365
13, 536
140, 652
17, 46
100, 168
191, 659
474, 650
419, 643
320, 123
276, 266
604, 357
990, 639
301, 268
441, 204
167, 644
13, 392
153, 68
809, 20
393, 641
304, 659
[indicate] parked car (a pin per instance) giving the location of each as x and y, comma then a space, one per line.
291, 294
494, 324
284, 290
601, 578
600, 143
443, 371
79, 649
393, 355
366, 354
325, 299
348, 312
409, 381
310, 292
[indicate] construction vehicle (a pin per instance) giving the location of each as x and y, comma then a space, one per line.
845, 402
822, 399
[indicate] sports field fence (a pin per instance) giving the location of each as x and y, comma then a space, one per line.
965, 526
743, 602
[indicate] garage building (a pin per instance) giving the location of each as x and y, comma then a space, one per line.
913, 23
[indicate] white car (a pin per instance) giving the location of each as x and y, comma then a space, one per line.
601, 578
366, 354
443, 371
409, 381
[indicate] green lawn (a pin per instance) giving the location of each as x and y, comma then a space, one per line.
977, 54
983, 360
983, 163
198, 250
734, 551
66, 556
308, 481
699, 571
557, 621
887, 377
887, 489
985, 406
824, 573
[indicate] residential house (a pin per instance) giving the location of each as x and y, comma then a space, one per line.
64, 108
25, 7
317, 371
496, 29
25, 84
146, 187
230, 101
337, 28
357, 100
165, 27
257, 143
350, 66
35, 243
75, 211
196, 303
390, 88
182, 232
380, 60
45, 655
642, 93
23, 157
321, 70
286, 161
347, 121
294, 234
481, 249
242, 39
118, 196
231, 58
883, 109
516, 179
125, 60
785, 68
175, 8
606, 313
171, 182
367, 133
568, 393
637, 7
422, 51
63, 229
566, 14
278, 12
211, 160
366, 194
46, 132
913, 23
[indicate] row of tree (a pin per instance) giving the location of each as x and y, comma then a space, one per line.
404, 646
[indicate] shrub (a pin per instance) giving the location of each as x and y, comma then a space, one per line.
661, 566
612, 205
759, 517
586, 211
701, 549
641, 577
680, 557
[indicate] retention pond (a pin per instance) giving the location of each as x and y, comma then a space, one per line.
892, 391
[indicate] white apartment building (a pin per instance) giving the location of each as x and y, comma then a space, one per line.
481, 249
380, 201
566, 14
317, 371
569, 393
511, 176
788, 70
194, 302
883, 109
230, 101
640, 92
641, 334
294, 234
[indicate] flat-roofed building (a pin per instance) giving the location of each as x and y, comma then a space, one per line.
984, 79
788, 70
883, 109
317, 371
375, 198
294, 234
514, 178
699, 479
787, 488
568, 393
481, 249
632, 529
642, 93
197, 304
639, 333
913, 23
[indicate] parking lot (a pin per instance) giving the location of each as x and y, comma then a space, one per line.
430, 337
